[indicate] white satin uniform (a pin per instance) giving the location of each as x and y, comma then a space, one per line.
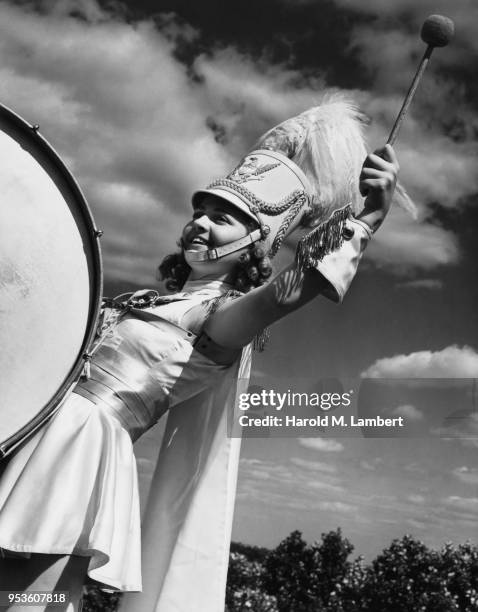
72, 489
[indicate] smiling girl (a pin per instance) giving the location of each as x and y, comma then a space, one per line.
68, 498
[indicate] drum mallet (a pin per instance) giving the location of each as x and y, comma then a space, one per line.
437, 31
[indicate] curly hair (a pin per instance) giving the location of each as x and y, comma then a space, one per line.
253, 269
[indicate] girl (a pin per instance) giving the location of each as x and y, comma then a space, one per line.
68, 498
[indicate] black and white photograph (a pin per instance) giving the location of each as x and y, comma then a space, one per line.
238, 296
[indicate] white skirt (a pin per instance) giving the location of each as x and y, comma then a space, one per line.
72, 489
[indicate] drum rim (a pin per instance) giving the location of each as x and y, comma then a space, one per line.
94, 234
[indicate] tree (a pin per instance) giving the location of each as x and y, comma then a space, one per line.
409, 576
244, 589
96, 600
312, 578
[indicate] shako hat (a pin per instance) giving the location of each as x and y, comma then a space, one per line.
305, 171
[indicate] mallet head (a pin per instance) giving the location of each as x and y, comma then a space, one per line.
437, 31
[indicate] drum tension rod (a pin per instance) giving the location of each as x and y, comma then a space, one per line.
99, 233
35, 127
86, 371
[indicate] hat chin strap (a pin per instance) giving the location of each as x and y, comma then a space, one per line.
226, 249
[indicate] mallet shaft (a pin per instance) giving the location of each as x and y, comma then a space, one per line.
410, 94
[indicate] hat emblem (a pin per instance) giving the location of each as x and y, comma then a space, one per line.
250, 170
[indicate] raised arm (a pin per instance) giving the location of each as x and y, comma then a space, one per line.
236, 322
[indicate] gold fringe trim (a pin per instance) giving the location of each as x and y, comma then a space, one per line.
213, 304
261, 339
322, 240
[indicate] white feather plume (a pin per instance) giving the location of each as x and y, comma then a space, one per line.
327, 143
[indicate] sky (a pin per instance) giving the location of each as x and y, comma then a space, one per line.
146, 101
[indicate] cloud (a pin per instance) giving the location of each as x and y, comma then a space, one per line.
403, 245
339, 507
324, 486
431, 284
259, 474
255, 469
416, 524
466, 475
463, 14
275, 484
371, 466
246, 461
124, 115
437, 145
409, 412
436, 168
141, 130
450, 362
314, 466
416, 499
462, 504
414, 468
403, 20
321, 444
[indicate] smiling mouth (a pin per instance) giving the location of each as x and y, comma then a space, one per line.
199, 241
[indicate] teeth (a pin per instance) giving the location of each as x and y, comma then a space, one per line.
198, 240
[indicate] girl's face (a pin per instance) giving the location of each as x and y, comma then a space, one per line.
215, 223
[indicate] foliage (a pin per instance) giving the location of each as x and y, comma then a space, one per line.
95, 600
298, 577
306, 577
407, 576
245, 585
253, 553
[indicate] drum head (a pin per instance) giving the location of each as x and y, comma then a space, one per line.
50, 279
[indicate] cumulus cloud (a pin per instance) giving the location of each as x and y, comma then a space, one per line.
140, 134
123, 113
437, 144
403, 245
321, 444
450, 362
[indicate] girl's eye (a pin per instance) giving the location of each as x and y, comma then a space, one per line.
216, 217
219, 218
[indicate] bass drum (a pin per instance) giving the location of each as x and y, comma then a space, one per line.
50, 280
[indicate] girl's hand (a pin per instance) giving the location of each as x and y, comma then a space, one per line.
377, 182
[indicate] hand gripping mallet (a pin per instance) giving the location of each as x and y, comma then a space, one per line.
437, 31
